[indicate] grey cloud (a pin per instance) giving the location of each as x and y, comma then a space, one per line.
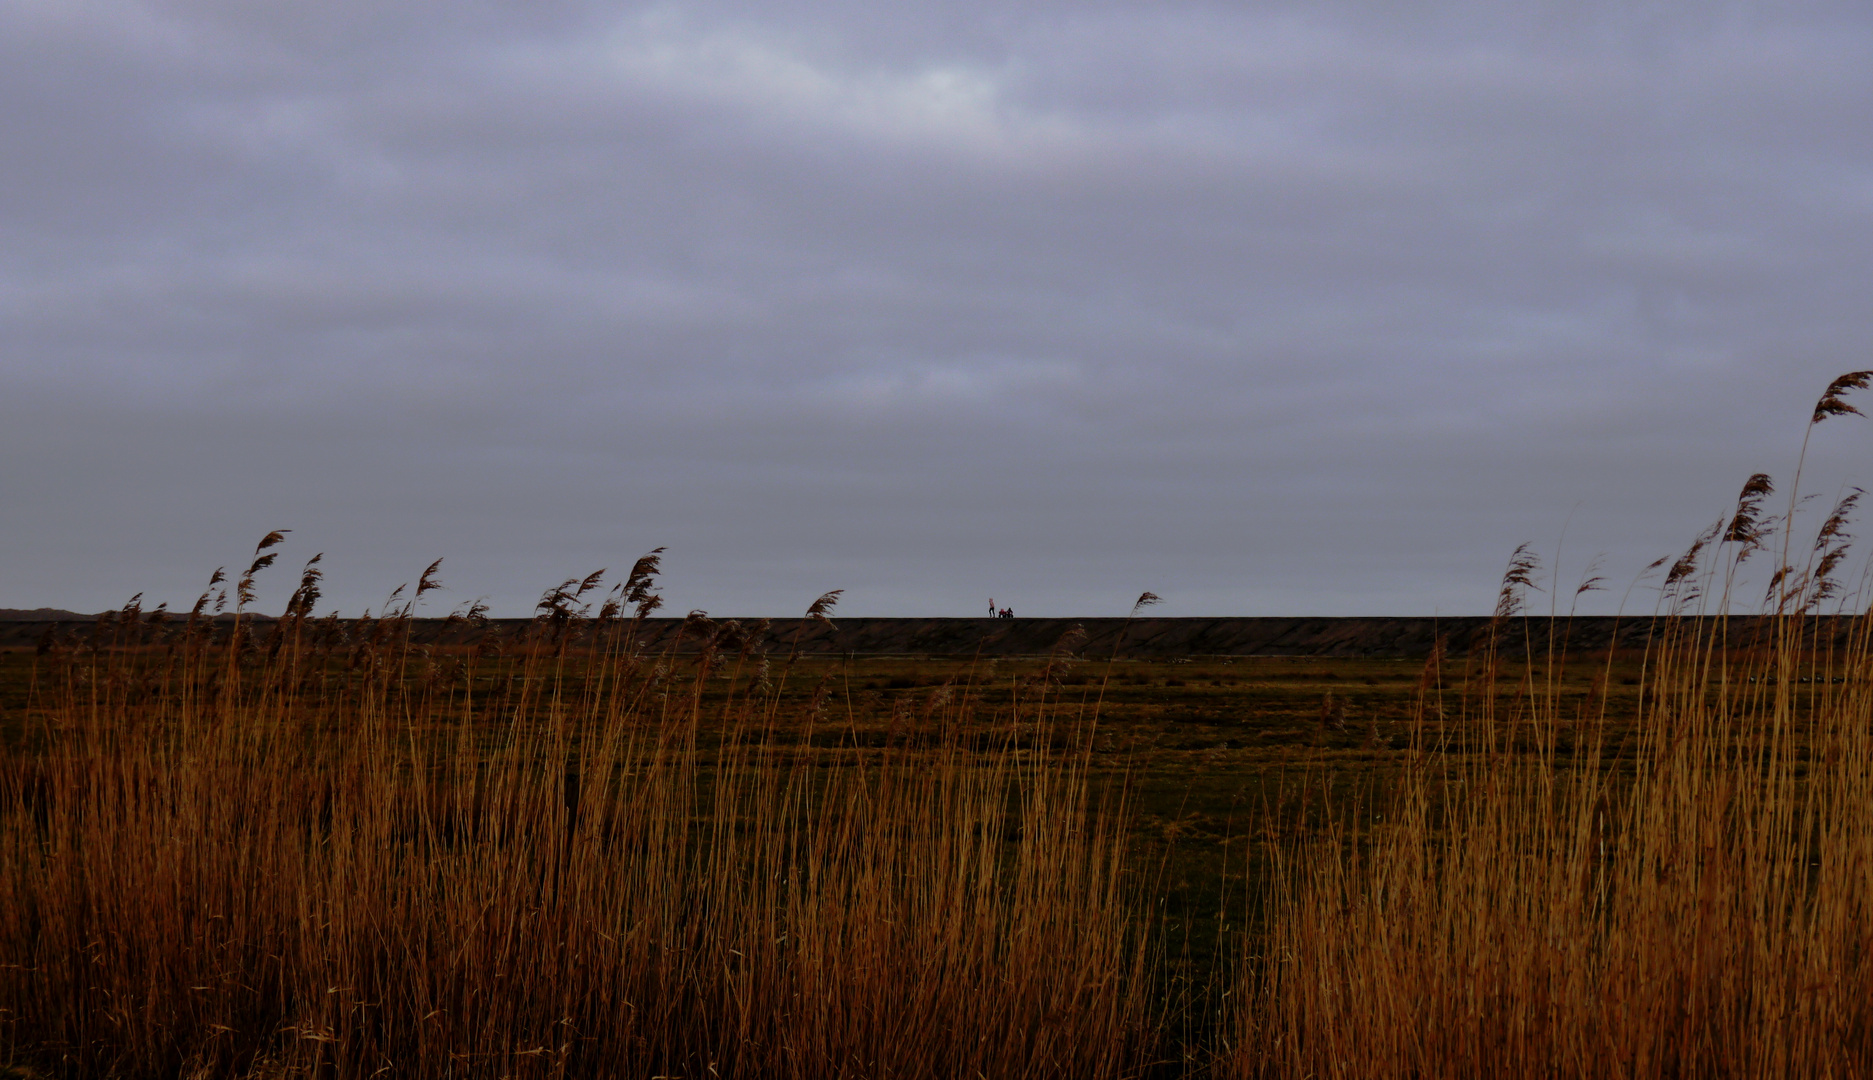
1314, 308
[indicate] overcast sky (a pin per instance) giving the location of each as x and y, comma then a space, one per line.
1270, 309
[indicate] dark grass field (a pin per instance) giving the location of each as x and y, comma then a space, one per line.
1218, 768
1215, 753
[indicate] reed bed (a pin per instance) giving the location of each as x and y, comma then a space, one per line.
1693, 901
1696, 906
310, 848
264, 851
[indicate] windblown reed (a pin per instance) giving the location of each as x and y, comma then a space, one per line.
1693, 901
304, 849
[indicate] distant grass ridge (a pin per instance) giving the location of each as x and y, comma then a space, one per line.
1337, 637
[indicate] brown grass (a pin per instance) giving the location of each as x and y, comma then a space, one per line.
251, 853
1694, 902
314, 848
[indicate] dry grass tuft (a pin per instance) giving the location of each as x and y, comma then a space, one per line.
1696, 906
321, 858
1692, 900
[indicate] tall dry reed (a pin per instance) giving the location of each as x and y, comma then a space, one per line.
1554, 897
306, 848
